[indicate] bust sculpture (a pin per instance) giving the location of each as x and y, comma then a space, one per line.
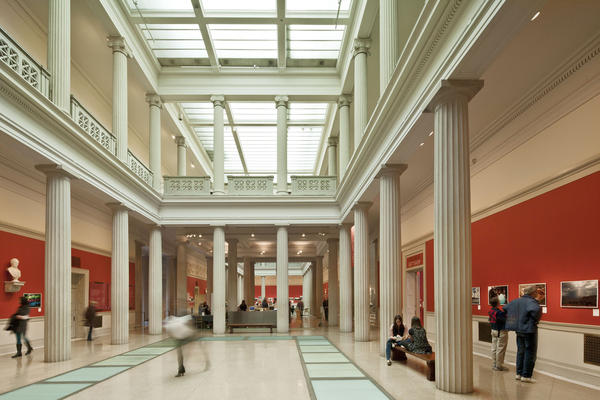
14, 270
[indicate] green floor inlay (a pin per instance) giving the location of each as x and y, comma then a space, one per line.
222, 338
148, 351
313, 342
88, 374
347, 370
359, 389
301, 338
164, 343
270, 338
123, 360
318, 349
45, 391
324, 357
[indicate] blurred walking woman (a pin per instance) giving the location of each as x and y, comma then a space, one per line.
18, 325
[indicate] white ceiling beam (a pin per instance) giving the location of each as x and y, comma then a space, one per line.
299, 20
236, 138
208, 43
273, 124
281, 35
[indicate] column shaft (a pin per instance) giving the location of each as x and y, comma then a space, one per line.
309, 298
139, 284
219, 279
155, 282
232, 274
181, 156
332, 157
346, 296
263, 289
181, 280
119, 112
119, 276
361, 47
248, 282
334, 286
361, 273
282, 104
283, 323
240, 289
219, 147
155, 148
345, 143
318, 279
388, 41
209, 280
59, 52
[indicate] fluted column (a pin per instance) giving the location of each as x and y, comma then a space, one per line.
181, 156
59, 52
155, 281
361, 272
308, 298
57, 264
318, 280
232, 275
248, 282
361, 50
390, 262
332, 156
181, 278
334, 285
240, 289
346, 295
209, 280
155, 105
283, 323
281, 102
219, 280
219, 146
388, 41
263, 289
345, 148
139, 284
119, 275
452, 236
119, 106
253, 279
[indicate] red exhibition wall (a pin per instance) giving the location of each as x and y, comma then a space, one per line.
191, 284
548, 239
271, 291
30, 253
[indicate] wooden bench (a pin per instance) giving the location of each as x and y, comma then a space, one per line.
250, 325
399, 354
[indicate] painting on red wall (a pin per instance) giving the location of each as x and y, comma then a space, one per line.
579, 294
540, 291
99, 294
475, 296
500, 291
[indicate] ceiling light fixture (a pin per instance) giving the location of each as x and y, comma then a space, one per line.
173, 136
537, 14
252, 235
303, 235
422, 144
262, 252
200, 235
192, 165
431, 133
299, 252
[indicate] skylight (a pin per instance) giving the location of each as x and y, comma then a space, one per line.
174, 40
244, 41
317, 5
315, 41
239, 5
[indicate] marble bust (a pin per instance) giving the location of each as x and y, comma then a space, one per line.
14, 270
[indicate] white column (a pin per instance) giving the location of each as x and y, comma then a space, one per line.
390, 262
361, 49
219, 146
248, 282
345, 143
219, 279
334, 286
281, 102
452, 236
332, 156
59, 52
388, 41
155, 105
318, 280
57, 265
308, 299
283, 323
240, 289
181, 156
119, 106
361, 272
209, 280
181, 278
119, 275
155, 281
263, 289
346, 297
232, 275
139, 284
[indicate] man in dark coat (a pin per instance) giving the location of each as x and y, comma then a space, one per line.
90, 316
18, 325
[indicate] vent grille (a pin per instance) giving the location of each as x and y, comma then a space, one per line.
485, 332
591, 349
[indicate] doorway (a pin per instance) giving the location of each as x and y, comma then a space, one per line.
80, 283
414, 295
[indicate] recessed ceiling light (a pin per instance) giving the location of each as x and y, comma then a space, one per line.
431, 133
262, 252
422, 144
299, 252
199, 243
252, 235
192, 165
303, 235
537, 14
200, 235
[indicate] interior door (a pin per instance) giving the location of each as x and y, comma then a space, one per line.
410, 310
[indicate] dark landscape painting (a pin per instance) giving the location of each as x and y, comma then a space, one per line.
579, 294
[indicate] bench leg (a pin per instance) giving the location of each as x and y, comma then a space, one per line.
398, 355
431, 370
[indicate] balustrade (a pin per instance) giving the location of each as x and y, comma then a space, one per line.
313, 185
250, 185
187, 185
92, 127
139, 168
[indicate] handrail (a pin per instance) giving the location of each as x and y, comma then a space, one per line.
92, 127
139, 168
314, 185
17, 59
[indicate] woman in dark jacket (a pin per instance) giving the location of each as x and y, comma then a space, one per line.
20, 327
396, 334
417, 338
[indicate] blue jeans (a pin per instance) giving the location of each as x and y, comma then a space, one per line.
22, 335
388, 348
526, 353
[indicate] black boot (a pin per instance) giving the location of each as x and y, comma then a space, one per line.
29, 348
18, 351
181, 372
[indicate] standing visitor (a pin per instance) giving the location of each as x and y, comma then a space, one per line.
497, 319
300, 307
18, 324
326, 308
90, 316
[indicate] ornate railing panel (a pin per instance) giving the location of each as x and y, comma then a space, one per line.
19, 61
138, 168
187, 185
250, 185
313, 185
92, 127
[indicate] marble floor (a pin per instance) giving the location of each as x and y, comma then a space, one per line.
310, 363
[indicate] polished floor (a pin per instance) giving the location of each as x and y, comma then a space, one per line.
310, 363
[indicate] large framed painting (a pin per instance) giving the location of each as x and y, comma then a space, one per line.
500, 291
475, 296
579, 294
540, 288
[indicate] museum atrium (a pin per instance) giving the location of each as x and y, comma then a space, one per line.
255, 189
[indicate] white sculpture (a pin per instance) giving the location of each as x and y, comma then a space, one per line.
14, 270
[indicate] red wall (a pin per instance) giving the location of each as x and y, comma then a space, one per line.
550, 238
271, 291
430, 306
191, 284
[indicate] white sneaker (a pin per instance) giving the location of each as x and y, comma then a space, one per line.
518, 377
528, 380
389, 362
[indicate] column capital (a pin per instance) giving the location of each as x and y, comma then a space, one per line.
153, 100
156, 227
449, 89
364, 205
54, 170
118, 45
361, 45
391, 170
281, 101
180, 140
117, 206
332, 141
217, 100
344, 100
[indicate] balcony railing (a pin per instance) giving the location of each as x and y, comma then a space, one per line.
139, 168
313, 185
187, 185
19, 61
92, 127
250, 185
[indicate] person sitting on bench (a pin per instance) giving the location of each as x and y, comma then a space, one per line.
396, 334
417, 338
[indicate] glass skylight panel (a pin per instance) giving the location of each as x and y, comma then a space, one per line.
259, 144
315, 41
199, 113
317, 5
174, 40
253, 113
233, 163
307, 113
244, 41
303, 144
239, 5
160, 5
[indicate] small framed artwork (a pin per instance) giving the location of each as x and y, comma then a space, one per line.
579, 294
500, 291
540, 291
475, 296
34, 299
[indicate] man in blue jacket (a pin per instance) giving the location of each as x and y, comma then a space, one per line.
522, 316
